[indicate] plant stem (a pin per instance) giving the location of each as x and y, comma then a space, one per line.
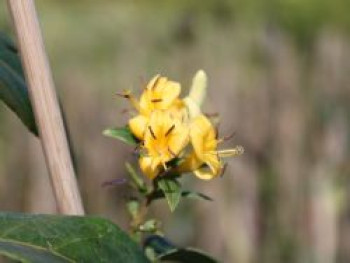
45, 105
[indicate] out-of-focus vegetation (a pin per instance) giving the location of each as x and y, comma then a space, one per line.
279, 77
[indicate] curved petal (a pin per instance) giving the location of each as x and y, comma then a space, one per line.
138, 126
179, 137
214, 163
199, 130
204, 174
146, 164
190, 163
170, 93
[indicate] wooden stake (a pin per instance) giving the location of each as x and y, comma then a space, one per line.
46, 107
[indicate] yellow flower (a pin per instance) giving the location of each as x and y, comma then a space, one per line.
204, 143
164, 139
159, 94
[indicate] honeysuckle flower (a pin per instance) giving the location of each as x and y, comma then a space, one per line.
205, 160
170, 128
159, 94
164, 139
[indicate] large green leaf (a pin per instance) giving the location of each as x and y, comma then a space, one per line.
171, 189
13, 90
124, 134
49, 238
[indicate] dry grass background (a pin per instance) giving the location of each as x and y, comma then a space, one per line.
285, 93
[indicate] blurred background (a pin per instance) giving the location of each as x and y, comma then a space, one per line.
279, 76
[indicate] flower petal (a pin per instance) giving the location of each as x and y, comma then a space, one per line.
204, 174
138, 126
170, 93
160, 94
200, 128
146, 164
190, 163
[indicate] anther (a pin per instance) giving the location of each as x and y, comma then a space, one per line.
123, 95
152, 133
156, 100
170, 130
217, 132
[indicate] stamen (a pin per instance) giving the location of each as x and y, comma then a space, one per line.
123, 95
238, 150
223, 170
217, 132
131, 98
171, 152
170, 130
155, 83
229, 137
152, 133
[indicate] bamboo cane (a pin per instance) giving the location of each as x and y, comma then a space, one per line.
46, 107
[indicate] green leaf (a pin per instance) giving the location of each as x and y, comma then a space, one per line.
49, 238
13, 89
172, 191
187, 255
124, 134
196, 195
9, 54
158, 194
165, 250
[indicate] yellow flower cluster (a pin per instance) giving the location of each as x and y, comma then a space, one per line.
169, 127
